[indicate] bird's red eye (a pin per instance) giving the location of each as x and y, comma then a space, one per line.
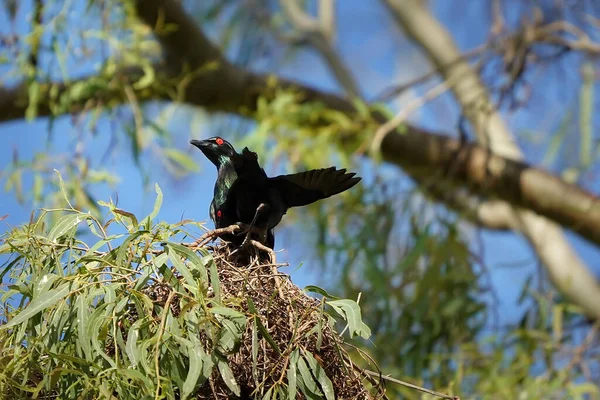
219, 212
219, 142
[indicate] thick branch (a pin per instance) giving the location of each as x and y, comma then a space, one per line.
527, 185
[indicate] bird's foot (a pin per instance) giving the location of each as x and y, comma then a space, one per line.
210, 235
253, 229
274, 270
258, 245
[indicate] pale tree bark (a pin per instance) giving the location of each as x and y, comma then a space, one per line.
423, 154
566, 269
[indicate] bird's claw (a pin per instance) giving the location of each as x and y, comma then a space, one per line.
210, 235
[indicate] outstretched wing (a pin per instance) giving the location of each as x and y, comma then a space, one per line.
307, 187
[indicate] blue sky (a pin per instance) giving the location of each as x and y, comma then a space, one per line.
377, 62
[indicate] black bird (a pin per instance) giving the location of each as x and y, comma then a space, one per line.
244, 193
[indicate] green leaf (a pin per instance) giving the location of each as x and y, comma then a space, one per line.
181, 267
65, 225
351, 312
131, 348
587, 388
255, 353
195, 261
34, 93
321, 291
61, 184
196, 356
309, 386
227, 375
292, 375
82, 323
44, 284
263, 331
46, 300
214, 280
157, 206
134, 225
319, 373
146, 80
124, 249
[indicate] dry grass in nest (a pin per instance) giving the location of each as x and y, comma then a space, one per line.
294, 322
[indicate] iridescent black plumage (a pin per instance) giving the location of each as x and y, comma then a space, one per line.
242, 186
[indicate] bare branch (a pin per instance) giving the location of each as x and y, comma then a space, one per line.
490, 214
405, 112
567, 271
319, 34
327, 19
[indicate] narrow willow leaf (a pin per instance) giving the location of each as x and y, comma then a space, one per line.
557, 140
214, 280
292, 374
46, 300
321, 291
229, 312
44, 284
65, 225
198, 263
82, 323
157, 206
130, 216
309, 386
131, 348
351, 312
227, 376
136, 376
61, 184
181, 267
230, 336
125, 250
196, 356
94, 330
319, 373
268, 395
263, 331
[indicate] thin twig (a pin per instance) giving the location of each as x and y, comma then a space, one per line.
410, 385
405, 112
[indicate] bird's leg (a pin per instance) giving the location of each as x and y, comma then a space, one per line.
208, 236
274, 269
261, 207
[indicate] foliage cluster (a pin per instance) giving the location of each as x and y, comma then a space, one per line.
137, 315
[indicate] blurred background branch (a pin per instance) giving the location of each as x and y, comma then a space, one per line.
489, 137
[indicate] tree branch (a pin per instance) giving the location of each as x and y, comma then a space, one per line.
319, 32
567, 271
222, 86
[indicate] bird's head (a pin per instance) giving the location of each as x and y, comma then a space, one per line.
216, 149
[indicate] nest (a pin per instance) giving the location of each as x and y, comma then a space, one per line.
293, 319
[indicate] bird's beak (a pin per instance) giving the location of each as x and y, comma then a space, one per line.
208, 149
203, 145
199, 143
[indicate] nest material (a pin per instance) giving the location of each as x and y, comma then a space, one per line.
289, 315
